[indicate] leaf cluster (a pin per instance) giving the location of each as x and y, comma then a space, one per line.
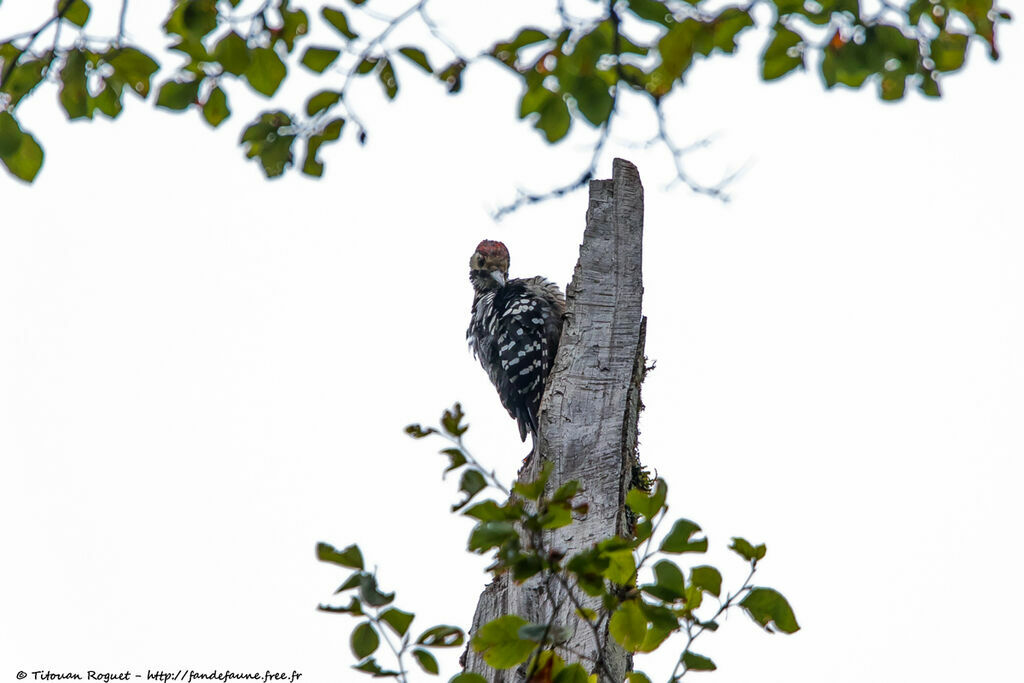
596, 590
380, 621
572, 72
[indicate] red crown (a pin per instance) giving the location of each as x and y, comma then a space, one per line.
492, 248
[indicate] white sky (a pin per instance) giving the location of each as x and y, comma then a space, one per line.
203, 373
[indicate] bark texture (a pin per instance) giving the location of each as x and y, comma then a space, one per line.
588, 418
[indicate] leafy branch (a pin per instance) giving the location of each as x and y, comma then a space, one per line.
578, 71
597, 588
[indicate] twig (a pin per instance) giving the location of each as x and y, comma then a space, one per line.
120, 22
526, 198
435, 31
402, 673
457, 440
594, 626
692, 635
716, 191
9, 67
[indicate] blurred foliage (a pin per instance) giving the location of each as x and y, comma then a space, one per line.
570, 72
595, 590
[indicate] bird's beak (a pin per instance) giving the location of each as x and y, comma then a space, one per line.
498, 277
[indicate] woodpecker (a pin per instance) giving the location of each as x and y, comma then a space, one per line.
514, 331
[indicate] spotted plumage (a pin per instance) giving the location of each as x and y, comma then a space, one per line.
513, 331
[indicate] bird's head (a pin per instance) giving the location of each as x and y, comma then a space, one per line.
488, 267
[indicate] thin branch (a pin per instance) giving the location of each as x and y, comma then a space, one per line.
526, 198
435, 31
9, 66
599, 644
402, 673
457, 440
120, 22
692, 635
716, 191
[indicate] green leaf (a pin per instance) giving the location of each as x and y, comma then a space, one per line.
556, 516
418, 432
23, 78
490, 511
707, 578
20, 153
371, 667
426, 661
472, 483
196, 51
177, 95
337, 19
10, 134
364, 640
642, 532
588, 566
233, 54
451, 75
746, 550
349, 557
628, 625
652, 10
566, 491
193, 18
77, 12
354, 607
388, 81
321, 101
669, 579
370, 595
134, 68
487, 535
648, 504
695, 662
679, 540
573, 673
266, 71
468, 677
543, 633
350, 583
294, 23
532, 490
108, 99
456, 459
417, 57
499, 643
397, 619
677, 49
663, 622
451, 421
525, 567
726, 26
767, 606
215, 109
621, 567
441, 636
948, 51
593, 98
783, 54
319, 58
637, 677
332, 131
73, 92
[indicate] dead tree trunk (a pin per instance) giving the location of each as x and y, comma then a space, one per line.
588, 421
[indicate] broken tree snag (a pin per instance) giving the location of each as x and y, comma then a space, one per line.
588, 422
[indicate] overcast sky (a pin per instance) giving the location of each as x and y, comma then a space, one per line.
203, 373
